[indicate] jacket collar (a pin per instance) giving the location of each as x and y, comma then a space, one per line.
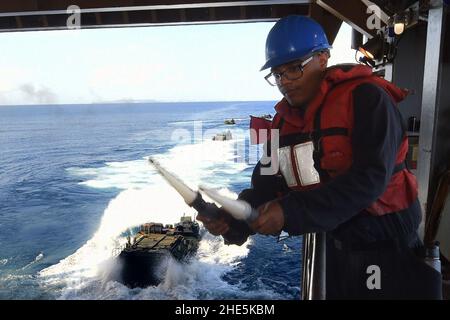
334, 75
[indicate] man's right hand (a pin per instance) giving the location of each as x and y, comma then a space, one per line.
216, 226
220, 223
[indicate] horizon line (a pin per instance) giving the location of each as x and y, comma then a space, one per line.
129, 102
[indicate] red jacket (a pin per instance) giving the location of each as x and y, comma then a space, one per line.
326, 129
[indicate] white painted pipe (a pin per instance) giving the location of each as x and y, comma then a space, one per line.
186, 192
239, 209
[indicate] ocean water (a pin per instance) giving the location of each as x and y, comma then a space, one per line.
74, 180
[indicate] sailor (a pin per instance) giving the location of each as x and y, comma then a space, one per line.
342, 152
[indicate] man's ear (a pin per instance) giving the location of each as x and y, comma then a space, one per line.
323, 60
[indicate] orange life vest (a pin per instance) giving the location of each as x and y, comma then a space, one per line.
328, 124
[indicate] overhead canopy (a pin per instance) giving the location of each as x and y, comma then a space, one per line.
52, 14
30, 15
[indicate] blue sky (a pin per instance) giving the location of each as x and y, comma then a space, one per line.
218, 62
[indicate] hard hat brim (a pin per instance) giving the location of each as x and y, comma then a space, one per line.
275, 62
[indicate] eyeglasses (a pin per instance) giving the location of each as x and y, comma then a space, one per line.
292, 73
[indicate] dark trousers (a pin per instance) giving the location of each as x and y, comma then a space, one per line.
352, 271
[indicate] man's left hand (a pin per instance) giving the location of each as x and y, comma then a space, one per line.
270, 220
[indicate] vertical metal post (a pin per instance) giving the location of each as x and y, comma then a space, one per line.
429, 103
307, 261
314, 266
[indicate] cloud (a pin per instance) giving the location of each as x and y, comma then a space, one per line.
28, 94
42, 95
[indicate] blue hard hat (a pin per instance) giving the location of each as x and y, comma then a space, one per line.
293, 37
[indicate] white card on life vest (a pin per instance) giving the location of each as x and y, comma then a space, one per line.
286, 168
305, 164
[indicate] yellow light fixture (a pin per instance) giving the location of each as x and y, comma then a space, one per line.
401, 20
399, 27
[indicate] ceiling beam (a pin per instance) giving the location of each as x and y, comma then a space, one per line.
89, 6
329, 22
39, 20
353, 12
